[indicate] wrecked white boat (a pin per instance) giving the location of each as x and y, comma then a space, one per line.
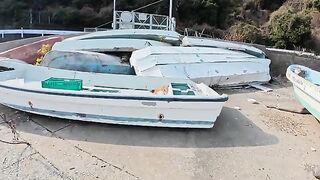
108, 98
188, 41
121, 40
306, 85
212, 66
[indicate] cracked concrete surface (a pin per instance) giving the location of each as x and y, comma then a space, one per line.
251, 143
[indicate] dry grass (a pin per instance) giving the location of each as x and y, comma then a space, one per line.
234, 37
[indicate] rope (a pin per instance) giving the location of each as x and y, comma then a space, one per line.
147, 5
104, 24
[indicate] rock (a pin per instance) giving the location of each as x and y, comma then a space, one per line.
313, 149
237, 108
253, 101
316, 172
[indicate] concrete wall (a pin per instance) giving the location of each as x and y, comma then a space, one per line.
29, 52
280, 60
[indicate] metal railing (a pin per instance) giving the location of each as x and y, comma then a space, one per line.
40, 32
89, 30
136, 20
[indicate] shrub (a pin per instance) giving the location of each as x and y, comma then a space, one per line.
288, 29
246, 33
316, 4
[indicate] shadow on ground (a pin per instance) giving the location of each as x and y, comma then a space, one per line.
232, 129
275, 83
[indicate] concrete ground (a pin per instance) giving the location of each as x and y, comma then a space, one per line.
249, 141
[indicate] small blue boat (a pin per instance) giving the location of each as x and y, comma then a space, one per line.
306, 84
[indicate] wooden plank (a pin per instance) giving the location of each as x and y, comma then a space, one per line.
261, 87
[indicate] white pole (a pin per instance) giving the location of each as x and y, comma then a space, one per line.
21, 32
170, 15
170, 10
114, 14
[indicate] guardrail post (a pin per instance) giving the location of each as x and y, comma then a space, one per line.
21, 32
2, 34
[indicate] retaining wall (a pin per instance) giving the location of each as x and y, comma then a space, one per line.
281, 59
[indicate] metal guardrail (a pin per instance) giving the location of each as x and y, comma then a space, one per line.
41, 32
89, 30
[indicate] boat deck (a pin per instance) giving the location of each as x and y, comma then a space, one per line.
169, 90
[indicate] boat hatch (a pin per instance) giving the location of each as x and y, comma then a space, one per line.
182, 89
3, 69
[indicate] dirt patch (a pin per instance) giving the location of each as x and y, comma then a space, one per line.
282, 121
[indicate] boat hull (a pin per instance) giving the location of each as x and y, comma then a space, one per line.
214, 74
125, 40
107, 45
306, 91
211, 66
219, 43
311, 104
115, 110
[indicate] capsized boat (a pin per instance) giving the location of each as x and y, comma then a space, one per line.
188, 41
108, 98
125, 40
86, 62
211, 66
306, 85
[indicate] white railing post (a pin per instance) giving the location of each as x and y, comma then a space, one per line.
114, 15
21, 32
170, 15
151, 20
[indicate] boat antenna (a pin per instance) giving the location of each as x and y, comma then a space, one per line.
151, 4
170, 10
170, 15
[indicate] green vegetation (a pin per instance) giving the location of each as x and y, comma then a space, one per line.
280, 23
245, 32
288, 29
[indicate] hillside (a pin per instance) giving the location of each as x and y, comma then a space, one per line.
291, 24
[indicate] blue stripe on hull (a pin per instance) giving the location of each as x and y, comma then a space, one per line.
116, 120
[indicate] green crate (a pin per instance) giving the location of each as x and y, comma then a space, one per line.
62, 83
